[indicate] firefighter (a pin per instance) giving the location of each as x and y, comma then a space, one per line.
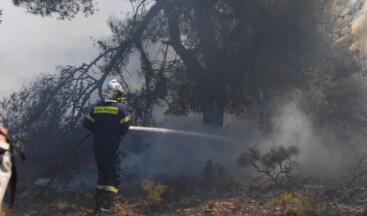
5, 163
107, 120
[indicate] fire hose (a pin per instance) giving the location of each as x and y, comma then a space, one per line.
62, 164
135, 128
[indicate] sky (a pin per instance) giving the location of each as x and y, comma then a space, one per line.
31, 45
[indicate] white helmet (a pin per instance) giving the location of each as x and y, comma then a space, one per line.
112, 90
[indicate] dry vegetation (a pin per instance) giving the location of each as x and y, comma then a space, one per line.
213, 193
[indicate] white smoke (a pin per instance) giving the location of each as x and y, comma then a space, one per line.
295, 127
179, 154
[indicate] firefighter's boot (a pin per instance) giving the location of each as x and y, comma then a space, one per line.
104, 201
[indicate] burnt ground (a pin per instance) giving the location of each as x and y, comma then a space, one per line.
226, 196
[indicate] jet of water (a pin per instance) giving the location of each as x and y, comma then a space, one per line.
179, 132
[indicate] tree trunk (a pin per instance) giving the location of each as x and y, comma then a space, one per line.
213, 113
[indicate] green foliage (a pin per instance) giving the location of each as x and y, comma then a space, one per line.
153, 192
65, 9
277, 164
212, 57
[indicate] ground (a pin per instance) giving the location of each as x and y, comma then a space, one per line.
226, 196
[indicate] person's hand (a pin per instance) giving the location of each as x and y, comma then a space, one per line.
4, 131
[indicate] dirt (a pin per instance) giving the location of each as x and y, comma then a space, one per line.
193, 197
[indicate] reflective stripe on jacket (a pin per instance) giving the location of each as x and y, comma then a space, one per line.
108, 121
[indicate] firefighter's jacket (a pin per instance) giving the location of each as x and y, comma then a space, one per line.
107, 120
5, 168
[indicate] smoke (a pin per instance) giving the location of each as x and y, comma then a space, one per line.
177, 154
332, 147
174, 154
359, 30
294, 127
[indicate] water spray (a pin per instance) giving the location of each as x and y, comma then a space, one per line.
134, 128
179, 132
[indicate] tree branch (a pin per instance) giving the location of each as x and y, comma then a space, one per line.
195, 70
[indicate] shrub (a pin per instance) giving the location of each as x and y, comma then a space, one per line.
212, 173
297, 204
306, 203
277, 164
153, 192
283, 200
